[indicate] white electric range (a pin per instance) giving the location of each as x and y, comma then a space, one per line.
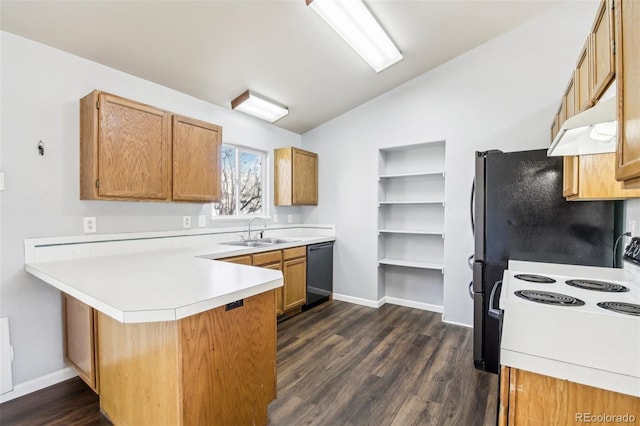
555, 323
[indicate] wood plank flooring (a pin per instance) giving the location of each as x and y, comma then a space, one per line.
338, 364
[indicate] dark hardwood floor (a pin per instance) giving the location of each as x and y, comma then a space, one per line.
338, 364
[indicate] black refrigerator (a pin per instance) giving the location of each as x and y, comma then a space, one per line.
520, 214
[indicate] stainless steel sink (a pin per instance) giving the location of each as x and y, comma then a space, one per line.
262, 242
277, 240
248, 243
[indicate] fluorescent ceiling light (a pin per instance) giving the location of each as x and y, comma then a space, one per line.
356, 25
259, 106
590, 132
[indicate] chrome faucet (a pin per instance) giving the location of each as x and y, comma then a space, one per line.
251, 221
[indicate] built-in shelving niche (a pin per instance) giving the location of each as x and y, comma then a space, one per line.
411, 189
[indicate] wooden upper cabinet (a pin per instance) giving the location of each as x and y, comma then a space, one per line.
582, 80
628, 85
570, 99
296, 177
125, 149
602, 50
196, 158
592, 177
570, 178
132, 151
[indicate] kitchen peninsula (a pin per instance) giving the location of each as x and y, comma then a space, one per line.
181, 339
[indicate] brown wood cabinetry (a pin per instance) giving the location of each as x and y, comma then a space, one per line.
595, 177
528, 398
583, 84
602, 51
272, 260
293, 264
196, 159
627, 29
79, 330
213, 368
296, 177
125, 149
294, 270
136, 152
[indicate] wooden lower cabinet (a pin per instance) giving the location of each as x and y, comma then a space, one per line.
592, 177
528, 398
213, 368
293, 264
294, 270
79, 330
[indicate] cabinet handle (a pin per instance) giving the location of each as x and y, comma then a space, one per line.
234, 305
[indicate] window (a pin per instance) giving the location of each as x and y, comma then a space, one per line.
242, 182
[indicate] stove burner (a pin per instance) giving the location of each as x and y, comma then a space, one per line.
598, 286
549, 298
621, 307
535, 278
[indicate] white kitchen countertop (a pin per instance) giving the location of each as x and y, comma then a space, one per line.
163, 285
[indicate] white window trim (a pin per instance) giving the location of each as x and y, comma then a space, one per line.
265, 187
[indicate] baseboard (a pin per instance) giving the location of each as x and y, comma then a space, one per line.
413, 304
37, 384
358, 300
456, 323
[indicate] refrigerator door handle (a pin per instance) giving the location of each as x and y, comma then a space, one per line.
472, 205
494, 312
471, 290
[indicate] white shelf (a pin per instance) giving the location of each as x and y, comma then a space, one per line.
411, 217
412, 264
389, 203
412, 231
408, 175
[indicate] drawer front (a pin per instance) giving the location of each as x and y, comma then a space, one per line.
292, 253
267, 257
242, 260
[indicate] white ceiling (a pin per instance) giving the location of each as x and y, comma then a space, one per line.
215, 50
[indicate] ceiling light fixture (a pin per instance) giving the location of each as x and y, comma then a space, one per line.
356, 25
259, 106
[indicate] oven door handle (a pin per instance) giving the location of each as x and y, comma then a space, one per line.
494, 312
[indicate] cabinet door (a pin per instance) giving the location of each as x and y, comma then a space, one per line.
133, 150
583, 86
79, 339
570, 175
295, 282
570, 99
278, 291
305, 177
602, 56
628, 83
196, 160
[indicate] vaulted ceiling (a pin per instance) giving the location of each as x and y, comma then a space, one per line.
215, 50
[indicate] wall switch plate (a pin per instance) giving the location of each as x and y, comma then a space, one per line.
202, 221
275, 218
632, 228
186, 221
289, 218
90, 224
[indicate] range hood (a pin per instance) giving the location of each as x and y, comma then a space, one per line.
591, 132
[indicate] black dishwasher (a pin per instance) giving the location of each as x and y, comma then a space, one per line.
319, 273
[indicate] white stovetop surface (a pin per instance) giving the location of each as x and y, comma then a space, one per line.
584, 344
163, 285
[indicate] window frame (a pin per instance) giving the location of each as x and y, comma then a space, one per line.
265, 188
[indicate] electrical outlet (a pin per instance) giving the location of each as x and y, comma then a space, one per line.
632, 228
89, 224
202, 221
186, 221
275, 218
289, 218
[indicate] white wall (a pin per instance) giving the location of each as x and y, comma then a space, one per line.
501, 95
41, 88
